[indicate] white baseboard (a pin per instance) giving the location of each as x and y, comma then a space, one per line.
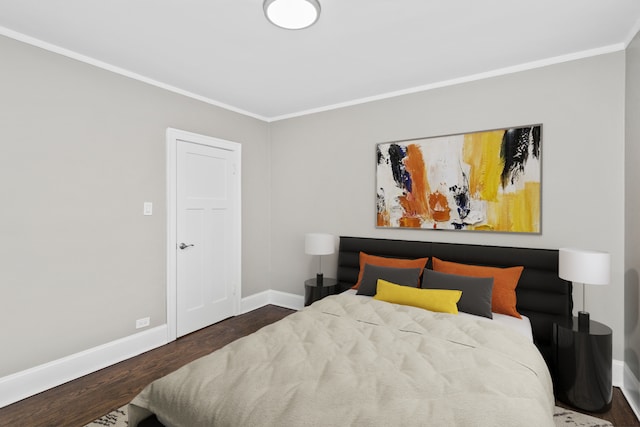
631, 390
255, 301
35, 380
281, 299
286, 300
617, 373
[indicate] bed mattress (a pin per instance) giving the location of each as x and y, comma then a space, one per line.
348, 360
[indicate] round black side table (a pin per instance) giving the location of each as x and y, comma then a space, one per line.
583, 364
314, 292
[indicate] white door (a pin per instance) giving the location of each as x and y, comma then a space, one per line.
207, 232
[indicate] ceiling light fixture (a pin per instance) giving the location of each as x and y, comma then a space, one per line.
292, 14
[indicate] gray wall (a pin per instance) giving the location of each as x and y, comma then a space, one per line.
81, 150
323, 166
632, 226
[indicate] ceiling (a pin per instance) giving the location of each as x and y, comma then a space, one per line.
226, 53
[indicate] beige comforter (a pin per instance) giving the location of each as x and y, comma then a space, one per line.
353, 361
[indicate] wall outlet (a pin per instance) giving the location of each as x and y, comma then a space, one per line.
141, 323
147, 208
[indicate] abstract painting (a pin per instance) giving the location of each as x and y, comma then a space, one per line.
487, 181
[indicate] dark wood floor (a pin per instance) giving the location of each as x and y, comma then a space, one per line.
81, 401
620, 414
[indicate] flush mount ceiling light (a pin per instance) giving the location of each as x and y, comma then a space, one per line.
292, 14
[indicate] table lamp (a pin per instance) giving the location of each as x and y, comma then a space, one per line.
586, 267
319, 244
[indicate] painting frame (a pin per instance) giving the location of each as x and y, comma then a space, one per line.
483, 181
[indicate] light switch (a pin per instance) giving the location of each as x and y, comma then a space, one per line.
148, 208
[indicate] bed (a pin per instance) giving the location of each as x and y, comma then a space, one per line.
356, 360
542, 296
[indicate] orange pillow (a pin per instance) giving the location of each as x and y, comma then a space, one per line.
505, 280
389, 262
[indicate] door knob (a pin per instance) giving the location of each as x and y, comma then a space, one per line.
183, 246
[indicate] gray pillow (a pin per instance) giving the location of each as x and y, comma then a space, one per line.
399, 276
476, 291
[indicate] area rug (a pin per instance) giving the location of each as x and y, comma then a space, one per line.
562, 417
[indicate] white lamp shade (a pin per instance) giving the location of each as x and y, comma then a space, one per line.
319, 244
584, 266
292, 14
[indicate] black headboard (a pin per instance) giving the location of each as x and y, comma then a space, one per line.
542, 296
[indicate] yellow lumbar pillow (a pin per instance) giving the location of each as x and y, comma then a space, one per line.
440, 300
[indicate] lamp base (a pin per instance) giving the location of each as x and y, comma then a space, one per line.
319, 279
583, 321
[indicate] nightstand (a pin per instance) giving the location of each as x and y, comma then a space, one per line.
313, 292
583, 364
